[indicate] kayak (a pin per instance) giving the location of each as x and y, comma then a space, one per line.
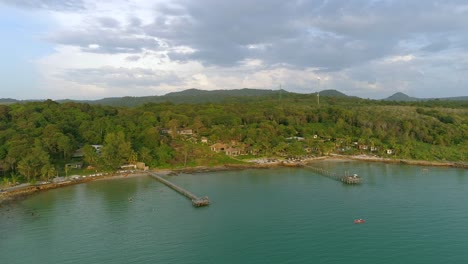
359, 221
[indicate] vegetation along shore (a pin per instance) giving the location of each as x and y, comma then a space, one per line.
45, 140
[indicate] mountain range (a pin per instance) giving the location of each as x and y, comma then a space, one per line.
205, 96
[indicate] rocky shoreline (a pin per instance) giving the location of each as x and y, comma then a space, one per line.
264, 163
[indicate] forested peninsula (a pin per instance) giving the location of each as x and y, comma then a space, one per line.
40, 140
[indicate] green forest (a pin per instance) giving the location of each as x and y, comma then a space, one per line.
39, 140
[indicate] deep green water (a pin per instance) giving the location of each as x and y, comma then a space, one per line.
283, 215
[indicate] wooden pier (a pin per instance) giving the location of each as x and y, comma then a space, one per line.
347, 179
196, 201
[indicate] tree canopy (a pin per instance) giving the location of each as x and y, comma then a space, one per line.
38, 138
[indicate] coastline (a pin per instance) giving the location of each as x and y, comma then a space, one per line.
461, 165
263, 163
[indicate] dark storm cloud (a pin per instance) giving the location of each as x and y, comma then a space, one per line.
59, 5
327, 34
221, 31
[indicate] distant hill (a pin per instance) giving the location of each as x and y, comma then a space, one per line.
459, 98
332, 93
8, 101
235, 92
195, 96
401, 97
188, 96
223, 93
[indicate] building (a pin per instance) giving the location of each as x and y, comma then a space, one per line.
74, 165
389, 151
187, 132
218, 147
232, 151
295, 138
141, 166
363, 147
204, 140
98, 148
128, 167
78, 153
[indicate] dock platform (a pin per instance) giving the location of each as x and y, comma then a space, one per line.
347, 179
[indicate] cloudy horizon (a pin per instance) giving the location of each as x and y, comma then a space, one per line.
82, 49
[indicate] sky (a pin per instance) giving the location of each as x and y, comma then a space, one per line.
87, 49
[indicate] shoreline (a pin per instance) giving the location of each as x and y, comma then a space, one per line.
460, 165
263, 163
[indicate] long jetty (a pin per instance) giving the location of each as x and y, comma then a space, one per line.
348, 179
196, 201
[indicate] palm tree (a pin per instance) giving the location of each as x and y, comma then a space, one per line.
48, 171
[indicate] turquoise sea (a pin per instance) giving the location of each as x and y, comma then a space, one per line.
280, 215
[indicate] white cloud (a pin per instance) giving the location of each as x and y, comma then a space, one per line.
93, 46
404, 58
365, 48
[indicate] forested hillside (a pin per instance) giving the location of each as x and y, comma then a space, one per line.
38, 139
190, 96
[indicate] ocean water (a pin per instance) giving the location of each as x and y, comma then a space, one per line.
282, 215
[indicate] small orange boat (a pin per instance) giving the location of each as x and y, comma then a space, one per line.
359, 221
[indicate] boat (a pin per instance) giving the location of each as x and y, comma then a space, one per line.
355, 179
359, 221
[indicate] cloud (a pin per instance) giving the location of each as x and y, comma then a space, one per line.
133, 58
361, 47
113, 77
57, 5
105, 40
331, 35
108, 22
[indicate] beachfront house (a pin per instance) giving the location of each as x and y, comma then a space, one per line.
141, 166
128, 167
218, 147
232, 151
74, 165
363, 147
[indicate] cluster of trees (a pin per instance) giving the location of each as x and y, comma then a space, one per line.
37, 139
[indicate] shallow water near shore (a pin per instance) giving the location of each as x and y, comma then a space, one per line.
280, 215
